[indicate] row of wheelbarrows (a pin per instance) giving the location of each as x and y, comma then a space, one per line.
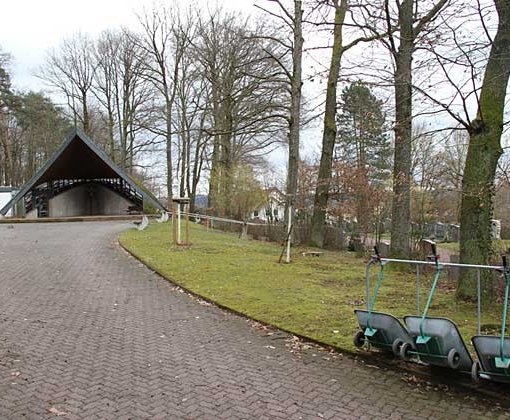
432, 340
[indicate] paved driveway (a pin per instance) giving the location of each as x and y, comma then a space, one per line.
88, 332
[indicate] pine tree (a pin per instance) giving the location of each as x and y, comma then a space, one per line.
362, 138
363, 148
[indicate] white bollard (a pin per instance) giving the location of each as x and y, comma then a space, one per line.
145, 222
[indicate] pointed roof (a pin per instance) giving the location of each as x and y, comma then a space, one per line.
79, 158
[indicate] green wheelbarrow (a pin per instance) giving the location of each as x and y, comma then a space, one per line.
382, 331
437, 341
377, 329
493, 351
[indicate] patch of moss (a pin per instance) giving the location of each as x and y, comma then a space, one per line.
312, 296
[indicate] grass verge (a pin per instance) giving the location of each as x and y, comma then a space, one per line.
499, 247
313, 296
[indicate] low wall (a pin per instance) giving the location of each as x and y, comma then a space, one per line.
88, 200
334, 237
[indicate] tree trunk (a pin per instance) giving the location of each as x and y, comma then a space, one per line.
170, 100
215, 174
401, 212
295, 107
184, 170
329, 132
482, 158
111, 128
477, 207
4, 137
169, 166
198, 162
226, 158
86, 116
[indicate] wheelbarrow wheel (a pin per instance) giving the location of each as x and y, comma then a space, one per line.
397, 344
359, 339
475, 371
405, 349
453, 359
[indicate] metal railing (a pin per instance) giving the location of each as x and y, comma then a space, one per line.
419, 264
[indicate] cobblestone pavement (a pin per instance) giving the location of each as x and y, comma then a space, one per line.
87, 332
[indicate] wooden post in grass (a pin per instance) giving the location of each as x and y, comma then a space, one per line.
289, 234
178, 223
174, 224
186, 225
178, 202
244, 230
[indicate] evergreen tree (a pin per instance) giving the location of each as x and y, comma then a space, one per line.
6, 102
362, 138
42, 126
363, 150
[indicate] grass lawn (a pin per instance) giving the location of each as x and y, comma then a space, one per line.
312, 296
452, 246
499, 247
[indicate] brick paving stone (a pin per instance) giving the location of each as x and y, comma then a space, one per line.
89, 332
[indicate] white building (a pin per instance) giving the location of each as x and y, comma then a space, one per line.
274, 209
6, 194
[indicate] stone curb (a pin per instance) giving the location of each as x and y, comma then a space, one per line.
457, 381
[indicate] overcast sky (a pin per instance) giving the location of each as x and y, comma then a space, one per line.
30, 27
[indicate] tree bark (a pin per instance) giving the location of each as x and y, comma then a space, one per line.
4, 137
401, 211
329, 131
86, 116
295, 107
168, 140
214, 177
111, 128
482, 158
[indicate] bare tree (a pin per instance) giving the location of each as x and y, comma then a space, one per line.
292, 19
475, 80
296, 82
106, 86
247, 96
122, 90
330, 129
166, 36
340, 8
405, 23
483, 154
192, 114
70, 69
6, 96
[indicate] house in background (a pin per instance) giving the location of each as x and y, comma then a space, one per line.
273, 211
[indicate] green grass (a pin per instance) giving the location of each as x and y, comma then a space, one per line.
452, 246
499, 247
312, 296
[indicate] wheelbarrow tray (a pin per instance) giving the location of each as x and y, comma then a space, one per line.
488, 349
388, 329
445, 336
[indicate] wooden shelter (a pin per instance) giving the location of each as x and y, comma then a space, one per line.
80, 180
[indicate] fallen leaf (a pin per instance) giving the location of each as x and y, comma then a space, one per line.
57, 412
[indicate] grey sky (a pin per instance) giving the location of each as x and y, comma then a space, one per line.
30, 27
